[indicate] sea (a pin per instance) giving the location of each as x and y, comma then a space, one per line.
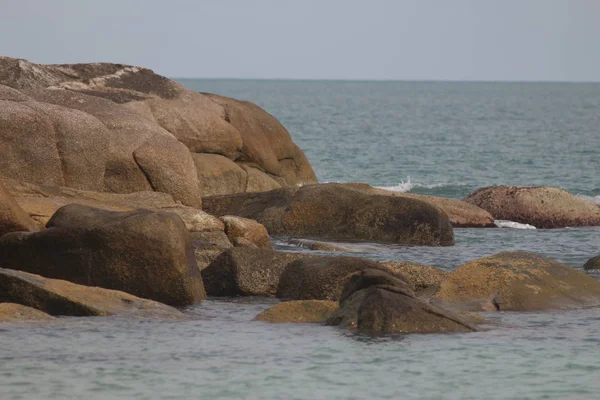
438, 138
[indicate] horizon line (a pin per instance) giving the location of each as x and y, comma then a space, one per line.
384, 80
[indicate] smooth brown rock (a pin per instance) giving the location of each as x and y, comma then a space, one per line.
11, 312
208, 246
338, 212
544, 207
247, 272
592, 264
461, 213
58, 297
518, 281
12, 217
418, 276
219, 175
314, 311
141, 252
248, 229
375, 304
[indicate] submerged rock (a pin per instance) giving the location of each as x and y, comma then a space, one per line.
518, 281
592, 264
377, 305
247, 272
299, 311
544, 207
337, 212
11, 312
58, 297
148, 254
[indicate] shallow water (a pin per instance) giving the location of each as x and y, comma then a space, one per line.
437, 138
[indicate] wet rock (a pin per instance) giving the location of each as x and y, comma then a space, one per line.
247, 229
299, 311
592, 264
247, 272
419, 277
58, 297
11, 312
518, 281
148, 254
378, 305
319, 246
337, 212
544, 207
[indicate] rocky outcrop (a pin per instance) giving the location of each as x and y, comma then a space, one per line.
11, 312
461, 213
42, 201
518, 281
119, 128
338, 212
148, 254
299, 311
249, 230
247, 272
544, 207
58, 297
376, 303
592, 264
12, 217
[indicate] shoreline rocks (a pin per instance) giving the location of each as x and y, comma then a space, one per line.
593, 264
337, 212
299, 311
12, 312
544, 207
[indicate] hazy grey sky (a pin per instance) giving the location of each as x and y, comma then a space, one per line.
310, 39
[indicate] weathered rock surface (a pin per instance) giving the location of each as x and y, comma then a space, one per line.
42, 201
248, 229
544, 207
376, 304
592, 264
119, 128
419, 277
338, 212
247, 272
461, 213
11, 312
12, 217
58, 297
518, 281
320, 278
299, 311
141, 252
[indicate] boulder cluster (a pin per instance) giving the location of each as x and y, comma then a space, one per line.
123, 193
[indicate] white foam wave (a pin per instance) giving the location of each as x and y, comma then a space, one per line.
590, 199
407, 186
501, 223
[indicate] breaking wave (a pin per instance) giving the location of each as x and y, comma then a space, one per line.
501, 223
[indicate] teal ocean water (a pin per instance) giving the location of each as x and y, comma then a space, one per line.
445, 139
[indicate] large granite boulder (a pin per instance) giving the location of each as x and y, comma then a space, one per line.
148, 254
11, 312
299, 311
338, 212
518, 281
58, 297
249, 230
119, 128
12, 217
419, 277
544, 207
377, 304
461, 213
244, 271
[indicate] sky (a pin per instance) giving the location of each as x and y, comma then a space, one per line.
481, 40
